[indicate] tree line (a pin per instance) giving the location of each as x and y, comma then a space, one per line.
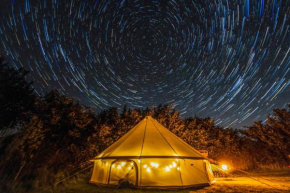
57, 133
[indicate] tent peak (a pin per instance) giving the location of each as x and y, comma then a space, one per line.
149, 138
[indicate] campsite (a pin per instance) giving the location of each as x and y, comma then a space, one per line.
82, 161
186, 172
65, 147
144, 96
111, 167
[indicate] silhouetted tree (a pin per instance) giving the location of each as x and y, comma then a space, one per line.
57, 138
16, 95
270, 142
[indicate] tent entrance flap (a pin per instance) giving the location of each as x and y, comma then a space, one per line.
123, 171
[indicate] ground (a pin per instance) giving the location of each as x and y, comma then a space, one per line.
262, 181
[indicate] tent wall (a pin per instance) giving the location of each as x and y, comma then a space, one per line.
153, 172
194, 172
101, 171
160, 172
209, 172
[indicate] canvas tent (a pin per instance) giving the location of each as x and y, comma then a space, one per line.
150, 156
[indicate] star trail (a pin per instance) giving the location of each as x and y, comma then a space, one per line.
225, 59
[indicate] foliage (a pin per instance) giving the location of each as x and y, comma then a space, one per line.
16, 95
271, 141
58, 131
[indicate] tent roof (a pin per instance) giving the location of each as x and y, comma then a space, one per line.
149, 139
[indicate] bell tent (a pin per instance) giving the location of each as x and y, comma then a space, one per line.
150, 156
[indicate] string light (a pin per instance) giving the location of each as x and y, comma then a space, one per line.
156, 165
148, 170
174, 164
167, 169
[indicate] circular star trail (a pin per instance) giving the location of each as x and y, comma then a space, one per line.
225, 59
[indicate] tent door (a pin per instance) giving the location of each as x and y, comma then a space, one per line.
123, 172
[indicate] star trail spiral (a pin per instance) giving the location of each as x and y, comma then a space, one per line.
225, 59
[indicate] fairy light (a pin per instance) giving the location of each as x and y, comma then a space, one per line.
167, 169
178, 168
113, 165
119, 166
148, 170
174, 164
123, 163
156, 165
145, 166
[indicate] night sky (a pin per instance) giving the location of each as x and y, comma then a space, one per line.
225, 59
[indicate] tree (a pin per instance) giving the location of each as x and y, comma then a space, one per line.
58, 137
270, 141
16, 95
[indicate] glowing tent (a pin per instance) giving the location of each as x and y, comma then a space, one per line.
150, 156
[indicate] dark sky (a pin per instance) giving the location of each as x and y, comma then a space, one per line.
225, 59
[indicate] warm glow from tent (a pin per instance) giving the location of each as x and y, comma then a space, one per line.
224, 167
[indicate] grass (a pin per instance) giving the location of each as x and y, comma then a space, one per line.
261, 181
